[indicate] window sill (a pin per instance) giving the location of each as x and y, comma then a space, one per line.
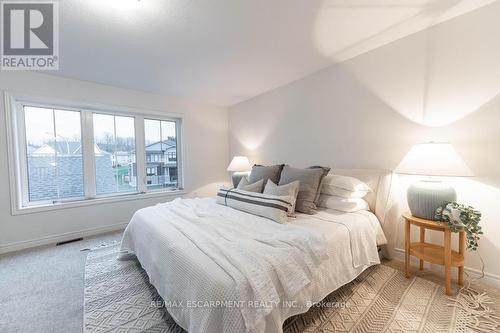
97, 201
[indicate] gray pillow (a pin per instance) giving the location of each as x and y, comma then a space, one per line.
325, 173
244, 185
259, 172
310, 180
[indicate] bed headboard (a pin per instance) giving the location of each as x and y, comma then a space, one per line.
382, 200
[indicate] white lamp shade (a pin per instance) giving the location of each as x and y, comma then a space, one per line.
433, 159
239, 164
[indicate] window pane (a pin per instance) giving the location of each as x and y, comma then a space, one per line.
161, 154
114, 137
54, 154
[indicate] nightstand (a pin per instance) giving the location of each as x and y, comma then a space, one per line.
436, 254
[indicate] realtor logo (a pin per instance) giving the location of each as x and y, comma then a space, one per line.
30, 36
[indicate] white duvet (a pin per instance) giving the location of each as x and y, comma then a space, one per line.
222, 270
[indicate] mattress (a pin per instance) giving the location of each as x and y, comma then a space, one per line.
187, 278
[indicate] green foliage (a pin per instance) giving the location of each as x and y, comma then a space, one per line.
459, 216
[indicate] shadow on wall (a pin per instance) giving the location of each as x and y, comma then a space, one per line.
448, 75
477, 138
329, 118
442, 74
382, 22
212, 154
291, 126
327, 31
367, 112
272, 71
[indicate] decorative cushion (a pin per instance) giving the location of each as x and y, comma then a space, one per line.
290, 190
259, 172
309, 179
348, 205
270, 206
253, 187
325, 173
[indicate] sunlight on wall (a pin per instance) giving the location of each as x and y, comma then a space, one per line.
122, 4
346, 28
132, 10
434, 77
249, 138
251, 143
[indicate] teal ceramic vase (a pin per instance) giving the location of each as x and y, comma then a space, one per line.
424, 197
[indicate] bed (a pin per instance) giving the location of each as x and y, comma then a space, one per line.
202, 294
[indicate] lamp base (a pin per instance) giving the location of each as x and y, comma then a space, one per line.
426, 196
237, 177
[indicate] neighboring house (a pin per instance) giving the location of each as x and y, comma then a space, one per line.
121, 158
30, 149
161, 164
56, 170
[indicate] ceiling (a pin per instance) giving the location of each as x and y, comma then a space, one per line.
226, 51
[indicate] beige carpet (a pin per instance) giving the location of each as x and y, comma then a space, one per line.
118, 298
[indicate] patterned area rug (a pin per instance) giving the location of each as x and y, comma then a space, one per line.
119, 298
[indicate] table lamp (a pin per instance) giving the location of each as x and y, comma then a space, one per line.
432, 160
240, 166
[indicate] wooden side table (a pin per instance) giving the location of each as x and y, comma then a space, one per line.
436, 254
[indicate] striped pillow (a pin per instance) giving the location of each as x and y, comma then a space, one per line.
270, 206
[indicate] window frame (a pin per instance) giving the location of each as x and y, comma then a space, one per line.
90, 151
180, 181
17, 154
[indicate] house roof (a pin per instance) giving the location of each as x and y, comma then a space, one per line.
74, 148
161, 145
63, 148
30, 149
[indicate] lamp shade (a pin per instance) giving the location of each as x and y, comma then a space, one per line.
239, 164
433, 159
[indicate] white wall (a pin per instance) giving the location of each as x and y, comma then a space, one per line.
205, 143
441, 84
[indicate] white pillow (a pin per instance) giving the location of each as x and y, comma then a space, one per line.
344, 182
340, 192
348, 205
273, 207
291, 190
253, 187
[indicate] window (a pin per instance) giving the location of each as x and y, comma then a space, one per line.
53, 154
161, 150
150, 172
172, 156
64, 154
114, 139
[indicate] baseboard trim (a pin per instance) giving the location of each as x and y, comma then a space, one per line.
490, 279
53, 239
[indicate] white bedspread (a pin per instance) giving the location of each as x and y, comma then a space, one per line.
222, 270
